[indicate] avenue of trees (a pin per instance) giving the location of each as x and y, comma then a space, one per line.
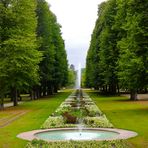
32, 52
72, 74
118, 53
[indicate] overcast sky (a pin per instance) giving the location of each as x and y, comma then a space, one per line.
77, 18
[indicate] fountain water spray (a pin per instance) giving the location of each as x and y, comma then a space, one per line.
78, 80
79, 76
80, 125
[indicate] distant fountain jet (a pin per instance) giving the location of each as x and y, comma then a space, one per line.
78, 79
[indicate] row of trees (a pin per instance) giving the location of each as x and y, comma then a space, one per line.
118, 54
32, 52
72, 74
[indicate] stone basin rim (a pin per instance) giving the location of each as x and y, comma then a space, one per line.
123, 134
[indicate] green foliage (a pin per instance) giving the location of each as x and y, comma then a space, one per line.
122, 112
66, 116
79, 144
32, 51
83, 77
36, 112
133, 62
19, 57
93, 110
71, 78
101, 121
118, 51
54, 67
62, 109
53, 122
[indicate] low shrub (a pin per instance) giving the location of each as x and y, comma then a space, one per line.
93, 110
79, 144
62, 109
101, 121
53, 122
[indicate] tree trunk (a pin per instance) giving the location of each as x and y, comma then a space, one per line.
106, 89
118, 89
103, 88
1, 103
11, 98
19, 96
34, 95
50, 90
14, 96
113, 89
110, 89
31, 95
133, 95
39, 92
44, 90
55, 89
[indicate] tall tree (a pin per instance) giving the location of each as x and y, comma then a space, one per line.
61, 64
118, 51
71, 77
93, 78
18, 55
133, 62
46, 46
54, 67
109, 52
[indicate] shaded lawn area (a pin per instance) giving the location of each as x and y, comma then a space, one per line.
35, 113
125, 114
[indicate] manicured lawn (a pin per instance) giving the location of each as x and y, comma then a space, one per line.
127, 115
35, 113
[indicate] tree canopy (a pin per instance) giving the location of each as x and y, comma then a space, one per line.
117, 56
32, 51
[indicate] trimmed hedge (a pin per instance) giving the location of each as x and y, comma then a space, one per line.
78, 144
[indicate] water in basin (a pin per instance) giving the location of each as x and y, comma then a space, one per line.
76, 135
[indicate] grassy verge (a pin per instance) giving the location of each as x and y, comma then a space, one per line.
127, 115
36, 113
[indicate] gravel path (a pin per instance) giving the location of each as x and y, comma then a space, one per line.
11, 104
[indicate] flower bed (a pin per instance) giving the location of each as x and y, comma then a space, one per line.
68, 114
79, 144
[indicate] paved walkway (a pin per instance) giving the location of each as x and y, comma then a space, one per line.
140, 96
11, 104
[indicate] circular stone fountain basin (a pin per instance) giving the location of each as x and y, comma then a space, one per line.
76, 135
62, 134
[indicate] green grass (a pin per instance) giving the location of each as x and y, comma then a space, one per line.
126, 114
37, 112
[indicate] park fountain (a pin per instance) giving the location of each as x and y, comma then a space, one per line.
79, 96
80, 132
78, 77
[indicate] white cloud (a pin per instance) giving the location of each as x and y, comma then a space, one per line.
77, 18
